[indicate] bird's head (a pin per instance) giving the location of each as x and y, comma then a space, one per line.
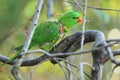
69, 19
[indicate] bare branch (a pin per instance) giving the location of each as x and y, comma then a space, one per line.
83, 30
50, 8
31, 73
97, 57
35, 61
63, 67
112, 40
106, 57
66, 48
109, 51
38, 51
70, 44
79, 6
19, 60
92, 7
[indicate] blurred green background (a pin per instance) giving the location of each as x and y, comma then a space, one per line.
15, 18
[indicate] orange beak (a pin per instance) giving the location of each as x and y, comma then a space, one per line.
79, 20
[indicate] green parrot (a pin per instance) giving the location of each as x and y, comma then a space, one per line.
50, 31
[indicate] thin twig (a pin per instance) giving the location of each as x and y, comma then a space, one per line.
113, 40
31, 73
62, 67
69, 53
83, 30
69, 69
83, 52
79, 6
109, 51
34, 61
92, 7
82, 69
50, 8
38, 51
89, 65
67, 62
18, 61
106, 57
82, 39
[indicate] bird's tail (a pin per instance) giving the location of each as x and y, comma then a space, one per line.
19, 48
12, 58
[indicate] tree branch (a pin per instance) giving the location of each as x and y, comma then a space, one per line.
15, 70
72, 43
92, 7
67, 47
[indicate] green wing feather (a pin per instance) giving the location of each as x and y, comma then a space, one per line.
45, 32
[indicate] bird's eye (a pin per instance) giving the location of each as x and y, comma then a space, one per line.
75, 17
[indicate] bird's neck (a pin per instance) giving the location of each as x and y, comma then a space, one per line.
62, 26
66, 23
